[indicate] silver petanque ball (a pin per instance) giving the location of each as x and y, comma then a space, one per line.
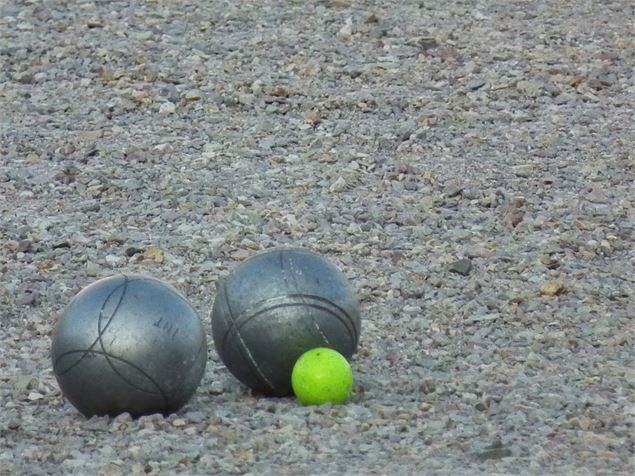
129, 343
274, 307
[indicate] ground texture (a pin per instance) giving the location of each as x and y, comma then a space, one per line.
468, 164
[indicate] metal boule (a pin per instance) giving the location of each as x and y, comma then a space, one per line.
129, 343
274, 307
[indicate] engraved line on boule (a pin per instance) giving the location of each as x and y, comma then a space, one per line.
203, 345
328, 264
291, 275
327, 305
137, 368
323, 304
99, 330
243, 346
107, 356
100, 333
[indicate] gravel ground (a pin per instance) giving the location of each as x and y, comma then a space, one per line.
468, 164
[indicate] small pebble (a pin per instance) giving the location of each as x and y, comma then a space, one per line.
462, 267
552, 288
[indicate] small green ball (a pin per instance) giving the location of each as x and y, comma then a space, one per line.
320, 376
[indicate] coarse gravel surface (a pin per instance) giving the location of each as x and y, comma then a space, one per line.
469, 165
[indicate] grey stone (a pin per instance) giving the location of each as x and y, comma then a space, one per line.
475, 84
462, 266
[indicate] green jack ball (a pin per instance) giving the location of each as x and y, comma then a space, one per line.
322, 375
